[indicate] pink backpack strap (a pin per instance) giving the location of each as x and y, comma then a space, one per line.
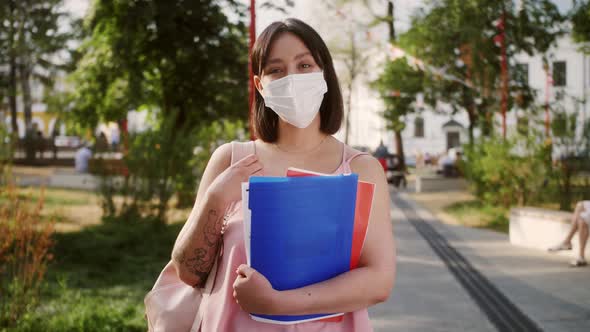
349, 155
239, 150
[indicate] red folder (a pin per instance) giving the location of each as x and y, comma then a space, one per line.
364, 202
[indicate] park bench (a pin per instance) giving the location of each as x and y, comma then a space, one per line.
539, 228
107, 166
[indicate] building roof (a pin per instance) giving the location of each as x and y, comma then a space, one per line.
452, 123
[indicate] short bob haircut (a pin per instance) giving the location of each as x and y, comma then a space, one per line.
331, 111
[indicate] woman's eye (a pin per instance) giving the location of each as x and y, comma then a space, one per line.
305, 66
274, 70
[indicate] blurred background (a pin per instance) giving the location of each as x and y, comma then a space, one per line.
110, 109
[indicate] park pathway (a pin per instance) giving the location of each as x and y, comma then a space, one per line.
453, 278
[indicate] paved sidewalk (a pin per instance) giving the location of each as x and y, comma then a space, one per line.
427, 297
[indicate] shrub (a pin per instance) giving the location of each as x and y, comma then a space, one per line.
508, 172
25, 243
162, 162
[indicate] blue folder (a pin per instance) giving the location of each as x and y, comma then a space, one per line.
301, 231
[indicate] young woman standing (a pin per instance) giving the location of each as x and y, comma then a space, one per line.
298, 107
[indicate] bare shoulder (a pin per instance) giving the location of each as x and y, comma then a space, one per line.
220, 160
221, 157
367, 167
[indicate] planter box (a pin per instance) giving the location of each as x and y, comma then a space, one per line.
541, 228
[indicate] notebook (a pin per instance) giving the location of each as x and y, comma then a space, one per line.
364, 203
300, 231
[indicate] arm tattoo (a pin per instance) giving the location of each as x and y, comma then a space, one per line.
200, 260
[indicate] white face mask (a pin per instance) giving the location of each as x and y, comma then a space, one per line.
296, 98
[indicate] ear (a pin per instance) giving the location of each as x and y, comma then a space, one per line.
258, 84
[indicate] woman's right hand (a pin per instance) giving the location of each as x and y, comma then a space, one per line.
227, 187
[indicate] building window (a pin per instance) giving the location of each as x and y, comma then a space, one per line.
521, 73
559, 124
419, 127
559, 73
453, 140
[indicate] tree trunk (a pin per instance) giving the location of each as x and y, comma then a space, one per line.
353, 71
399, 144
390, 12
30, 136
12, 83
399, 149
348, 109
472, 123
12, 94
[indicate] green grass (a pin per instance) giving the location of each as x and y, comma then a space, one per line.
61, 197
99, 278
477, 214
55, 197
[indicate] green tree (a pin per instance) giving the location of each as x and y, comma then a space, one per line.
280, 7
182, 58
183, 61
33, 40
398, 85
8, 59
348, 48
460, 37
581, 23
354, 62
355, 59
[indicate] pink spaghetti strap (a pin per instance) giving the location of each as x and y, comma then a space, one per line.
240, 150
350, 154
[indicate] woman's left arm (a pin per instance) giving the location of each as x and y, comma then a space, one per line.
369, 284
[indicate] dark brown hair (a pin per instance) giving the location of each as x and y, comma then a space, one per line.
331, 111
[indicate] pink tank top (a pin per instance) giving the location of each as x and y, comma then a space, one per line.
223, 314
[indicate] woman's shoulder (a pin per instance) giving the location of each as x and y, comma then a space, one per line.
221, 156
356, 156
241, 142
363, 163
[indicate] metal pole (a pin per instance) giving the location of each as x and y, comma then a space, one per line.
584, 94
504, 75
547, 87
250, 74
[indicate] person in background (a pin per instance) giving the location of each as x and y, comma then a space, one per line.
580, 224
420, 163
40, 144
83, 155
54, 135
102, 143
115, 138
381, 154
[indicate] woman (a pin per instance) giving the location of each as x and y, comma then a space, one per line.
580, 224
288, 59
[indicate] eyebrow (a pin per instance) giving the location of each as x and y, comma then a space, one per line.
297, 57
301, 55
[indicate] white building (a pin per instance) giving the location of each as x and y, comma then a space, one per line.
569, 69
428, 131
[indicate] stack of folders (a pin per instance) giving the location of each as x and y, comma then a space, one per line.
303, 229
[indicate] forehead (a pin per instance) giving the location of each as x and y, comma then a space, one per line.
286, 46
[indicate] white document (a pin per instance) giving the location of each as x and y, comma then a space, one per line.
247, 219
